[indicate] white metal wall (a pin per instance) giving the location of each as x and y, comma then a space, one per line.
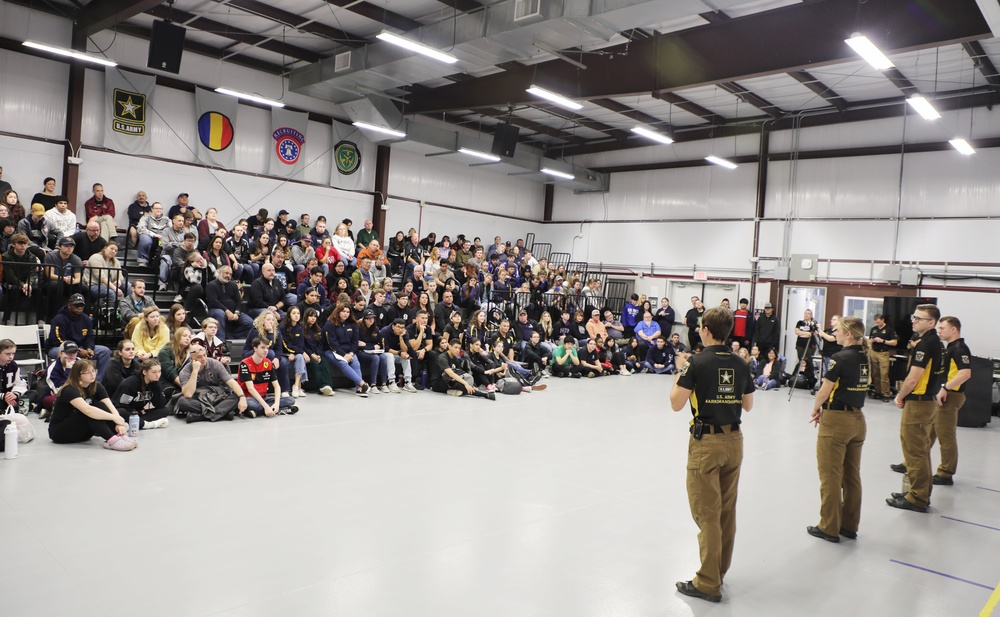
709, 192
723, 245
33, 96
430, 179
977, 312
27, 162
405, 215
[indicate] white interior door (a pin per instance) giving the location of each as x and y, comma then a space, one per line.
796, 301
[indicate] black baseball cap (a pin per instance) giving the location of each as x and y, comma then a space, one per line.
76, 299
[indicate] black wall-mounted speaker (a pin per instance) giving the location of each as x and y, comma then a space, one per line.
166, 46
505, 140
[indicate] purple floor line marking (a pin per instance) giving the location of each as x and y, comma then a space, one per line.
992, 490
954, 578
958, 520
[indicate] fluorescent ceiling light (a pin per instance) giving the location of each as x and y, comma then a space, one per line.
558, 99
660, 137
962, 146
379, 129
70, 53
923, 107
478, 154
419, 48
250, 97
867, 50
558, 174
721, 162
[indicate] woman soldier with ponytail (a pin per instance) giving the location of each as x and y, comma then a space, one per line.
837, 412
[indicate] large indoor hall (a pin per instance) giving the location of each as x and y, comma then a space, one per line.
547, 308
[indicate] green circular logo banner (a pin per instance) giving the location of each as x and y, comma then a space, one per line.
347, 156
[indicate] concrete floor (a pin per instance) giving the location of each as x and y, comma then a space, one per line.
568, 502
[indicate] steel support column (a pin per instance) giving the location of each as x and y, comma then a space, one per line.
381, 191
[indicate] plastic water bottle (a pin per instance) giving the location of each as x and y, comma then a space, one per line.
133, 424
10, 441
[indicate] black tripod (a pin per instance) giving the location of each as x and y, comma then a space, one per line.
811, 346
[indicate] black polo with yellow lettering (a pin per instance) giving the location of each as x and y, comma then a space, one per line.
886, 332
957, 357
928, 354
850, 373
718, 379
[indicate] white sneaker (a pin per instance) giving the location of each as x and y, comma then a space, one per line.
297, 393
142, 262
394, 389
624, 371
374, 390
385, 390
161, 286
326, 391
455, 392
161, 423
408, 386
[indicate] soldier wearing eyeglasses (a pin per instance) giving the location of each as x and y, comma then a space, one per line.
924, 377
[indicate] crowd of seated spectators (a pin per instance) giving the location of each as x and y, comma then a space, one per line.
317, 309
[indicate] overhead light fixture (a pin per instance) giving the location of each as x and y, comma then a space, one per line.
419, 48
69, 53
721, 162
481, 155
867, 50
558, 99
962, 146
379, 129
923, 107
660, 137
250, 97
558, 174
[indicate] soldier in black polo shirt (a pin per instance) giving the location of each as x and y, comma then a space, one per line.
883, 339
842, 430
951, 397
925, 374
719, 386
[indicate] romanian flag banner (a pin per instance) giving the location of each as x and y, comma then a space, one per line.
216, 129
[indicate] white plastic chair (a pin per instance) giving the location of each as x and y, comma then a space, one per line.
25, 336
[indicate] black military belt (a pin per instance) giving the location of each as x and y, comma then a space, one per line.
920, 397
716, 429
835, 406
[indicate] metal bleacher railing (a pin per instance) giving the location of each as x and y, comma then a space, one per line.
47, 292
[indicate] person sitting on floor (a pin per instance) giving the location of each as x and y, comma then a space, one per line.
256, 376
141, 394
769, 373
659, 358
83, 410
449, 377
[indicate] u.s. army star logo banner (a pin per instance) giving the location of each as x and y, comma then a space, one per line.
130, 112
